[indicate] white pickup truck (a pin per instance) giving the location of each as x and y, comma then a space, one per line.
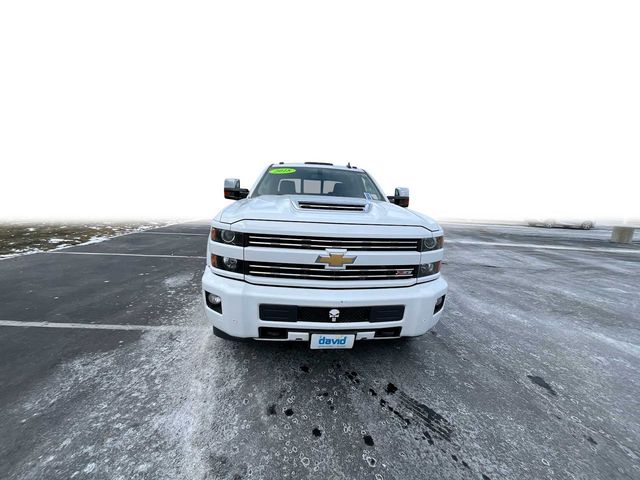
316, 253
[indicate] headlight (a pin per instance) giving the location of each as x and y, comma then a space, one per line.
427, 269
227, 236
229, 264
431, 243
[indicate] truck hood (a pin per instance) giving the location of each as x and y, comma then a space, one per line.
286, 208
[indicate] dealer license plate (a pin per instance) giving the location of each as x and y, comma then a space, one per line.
332, 340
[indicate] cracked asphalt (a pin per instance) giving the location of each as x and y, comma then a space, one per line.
533, 372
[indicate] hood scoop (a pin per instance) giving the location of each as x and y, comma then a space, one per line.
329, 206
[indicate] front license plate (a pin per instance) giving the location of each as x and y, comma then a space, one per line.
331, 340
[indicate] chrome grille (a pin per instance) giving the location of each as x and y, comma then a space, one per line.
319, 272
322, 243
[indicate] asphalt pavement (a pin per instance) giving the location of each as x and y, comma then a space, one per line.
109, 370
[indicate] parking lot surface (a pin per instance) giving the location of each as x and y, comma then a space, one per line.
109, 370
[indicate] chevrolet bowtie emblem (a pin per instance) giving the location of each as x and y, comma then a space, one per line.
335, 259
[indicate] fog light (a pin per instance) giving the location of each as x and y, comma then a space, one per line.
214, 299
427, 269
230, 263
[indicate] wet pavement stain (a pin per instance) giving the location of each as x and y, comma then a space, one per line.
541, 383
427, 436
288, 412
304, 368
368, 440
220, 466
271, 409
433, 420
391, 389
412, 414
385, 404
407, 410
316, 432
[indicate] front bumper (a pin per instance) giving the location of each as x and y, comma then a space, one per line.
241, 300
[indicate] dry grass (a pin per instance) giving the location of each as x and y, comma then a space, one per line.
23, 237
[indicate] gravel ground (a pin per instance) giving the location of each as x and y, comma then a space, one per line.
533, 373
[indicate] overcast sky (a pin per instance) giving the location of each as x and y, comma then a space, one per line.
484, 109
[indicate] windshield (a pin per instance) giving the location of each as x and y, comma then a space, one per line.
317, 181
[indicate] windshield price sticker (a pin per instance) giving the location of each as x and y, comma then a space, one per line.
281, 171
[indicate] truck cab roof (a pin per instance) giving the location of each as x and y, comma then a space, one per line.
315, 164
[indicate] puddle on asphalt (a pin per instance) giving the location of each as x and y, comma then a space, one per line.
541, 383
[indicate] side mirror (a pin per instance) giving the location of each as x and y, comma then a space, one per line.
232, 189
401, 197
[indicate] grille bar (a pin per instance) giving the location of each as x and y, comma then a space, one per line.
315, 272
324, 247
327, 277
314, 269
353, 240
321, 243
